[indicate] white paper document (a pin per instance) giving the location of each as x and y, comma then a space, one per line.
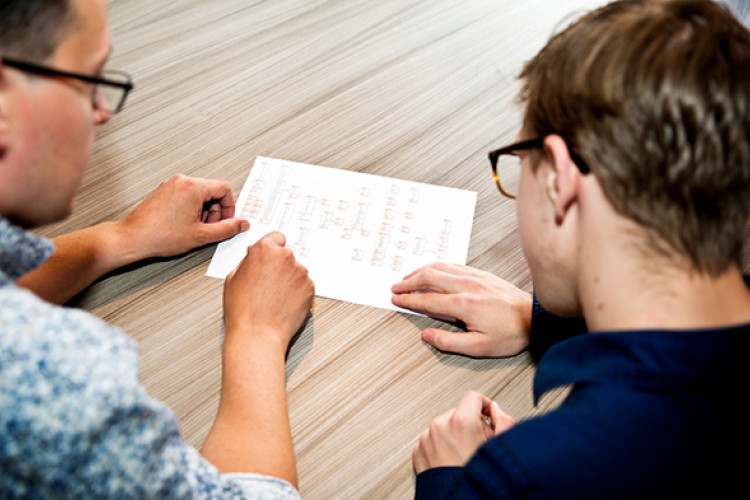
357, 234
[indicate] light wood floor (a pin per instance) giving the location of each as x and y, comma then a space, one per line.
415, 89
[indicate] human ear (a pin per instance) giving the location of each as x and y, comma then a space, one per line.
562, 182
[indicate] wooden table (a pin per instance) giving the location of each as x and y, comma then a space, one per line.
414, 89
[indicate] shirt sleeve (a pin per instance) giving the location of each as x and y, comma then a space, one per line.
437, 483
265, 487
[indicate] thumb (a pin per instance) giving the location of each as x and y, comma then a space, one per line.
501, 421
469, 343
224, 229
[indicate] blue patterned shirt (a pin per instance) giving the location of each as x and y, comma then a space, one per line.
74, 420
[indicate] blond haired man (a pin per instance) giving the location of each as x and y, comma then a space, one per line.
634, 191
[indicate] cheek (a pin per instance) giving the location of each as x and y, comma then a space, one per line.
70, 133
74, 136
533, 227
525, 213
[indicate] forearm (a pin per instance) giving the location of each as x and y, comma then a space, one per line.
172, 220
79, 259
251, 432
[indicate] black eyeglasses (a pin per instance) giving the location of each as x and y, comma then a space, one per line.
509, 183
110, 90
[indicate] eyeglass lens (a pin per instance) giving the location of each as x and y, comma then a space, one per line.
110, 98
508, 173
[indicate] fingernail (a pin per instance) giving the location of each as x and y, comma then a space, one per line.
244, 225
427, 336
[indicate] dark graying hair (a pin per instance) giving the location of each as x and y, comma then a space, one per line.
32, 29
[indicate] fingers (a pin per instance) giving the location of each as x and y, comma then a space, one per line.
469, 343
473, 403
429, 448
501, 421
455, 269
276, 237
269, 294
220, 192
438, 277
496, 313
429, 302
438, 290
222, 230
453, 437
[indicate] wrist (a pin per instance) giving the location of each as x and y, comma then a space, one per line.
128, 243
107, 246
250, 340
525, 310
116, 246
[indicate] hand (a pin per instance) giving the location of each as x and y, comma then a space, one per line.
181, 214
497, 315
453, 437
269, 293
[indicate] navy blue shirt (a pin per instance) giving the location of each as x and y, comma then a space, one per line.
651, 414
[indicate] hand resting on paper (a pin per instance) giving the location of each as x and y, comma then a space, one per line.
497, 315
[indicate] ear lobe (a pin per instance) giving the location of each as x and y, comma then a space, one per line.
563, 179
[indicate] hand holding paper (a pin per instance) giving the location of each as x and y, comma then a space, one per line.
356, 233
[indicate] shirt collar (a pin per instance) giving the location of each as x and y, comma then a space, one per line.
647, 359
20, 251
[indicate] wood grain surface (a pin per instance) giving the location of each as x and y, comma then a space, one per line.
414, 89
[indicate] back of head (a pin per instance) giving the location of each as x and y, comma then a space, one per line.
655, 96
32, 29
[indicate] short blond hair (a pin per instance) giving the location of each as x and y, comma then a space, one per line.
655, 96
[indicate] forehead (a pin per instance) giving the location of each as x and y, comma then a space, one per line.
88, 40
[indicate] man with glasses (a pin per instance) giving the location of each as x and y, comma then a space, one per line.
634, 165
74, 421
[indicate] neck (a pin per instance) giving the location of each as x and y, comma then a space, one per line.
653, 293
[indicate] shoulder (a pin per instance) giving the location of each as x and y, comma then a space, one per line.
75, 416
614, 442
58, 347
64, 377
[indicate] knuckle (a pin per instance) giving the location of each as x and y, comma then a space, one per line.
469, 282
431, 427
463, 302
425, 436
439, 266
461, 419
442, 341
434, 427
265, 244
